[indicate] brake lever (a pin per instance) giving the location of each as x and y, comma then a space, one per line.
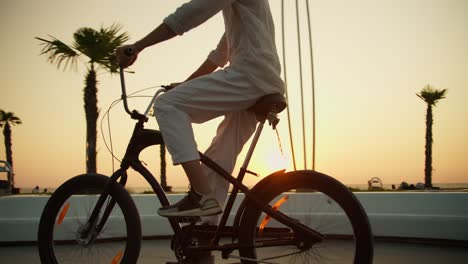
167, 87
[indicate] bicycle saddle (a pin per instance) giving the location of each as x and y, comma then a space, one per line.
269, 103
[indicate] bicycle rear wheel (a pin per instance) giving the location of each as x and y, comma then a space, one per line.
316, 201
67, 212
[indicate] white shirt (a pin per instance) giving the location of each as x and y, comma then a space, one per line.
248, 43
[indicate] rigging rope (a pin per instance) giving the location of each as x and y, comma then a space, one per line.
313, 84
285, 82
301, 84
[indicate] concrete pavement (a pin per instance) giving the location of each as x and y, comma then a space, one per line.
158, 251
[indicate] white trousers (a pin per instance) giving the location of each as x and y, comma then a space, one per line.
225, 93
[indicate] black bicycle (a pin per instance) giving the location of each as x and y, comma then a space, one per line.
302, 216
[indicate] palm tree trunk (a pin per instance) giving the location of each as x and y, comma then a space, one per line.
92, 113
9, 154
428, 152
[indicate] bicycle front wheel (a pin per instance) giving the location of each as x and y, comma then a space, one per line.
66, 214
317, 201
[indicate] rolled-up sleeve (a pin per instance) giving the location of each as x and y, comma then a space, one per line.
194, 13
219, 56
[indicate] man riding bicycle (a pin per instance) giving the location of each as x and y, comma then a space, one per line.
250, 69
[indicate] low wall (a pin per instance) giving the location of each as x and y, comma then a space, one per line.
421, 215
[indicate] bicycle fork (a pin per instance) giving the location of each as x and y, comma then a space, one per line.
93, 226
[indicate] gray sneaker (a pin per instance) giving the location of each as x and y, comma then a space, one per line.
192, 205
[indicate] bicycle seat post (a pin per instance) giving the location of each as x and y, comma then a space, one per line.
243, 171
252, 146
267, 108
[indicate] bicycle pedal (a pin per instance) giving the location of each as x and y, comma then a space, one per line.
187, 219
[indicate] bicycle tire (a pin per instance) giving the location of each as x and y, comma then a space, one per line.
350, 228
62, 218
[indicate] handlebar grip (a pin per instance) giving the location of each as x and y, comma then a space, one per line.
129, 51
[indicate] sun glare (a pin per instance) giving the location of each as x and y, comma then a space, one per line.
275, 161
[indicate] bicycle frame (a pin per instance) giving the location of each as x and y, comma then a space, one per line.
143, 138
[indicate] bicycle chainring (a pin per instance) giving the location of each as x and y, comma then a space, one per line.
180, 245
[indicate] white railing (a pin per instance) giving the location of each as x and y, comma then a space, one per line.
424, 215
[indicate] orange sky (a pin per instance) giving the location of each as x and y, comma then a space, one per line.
371, 57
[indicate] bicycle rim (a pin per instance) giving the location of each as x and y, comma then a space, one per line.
66, 215
318, 202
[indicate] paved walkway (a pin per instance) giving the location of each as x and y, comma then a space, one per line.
158, 251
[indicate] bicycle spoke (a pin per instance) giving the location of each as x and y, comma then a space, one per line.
250, 259
284, 255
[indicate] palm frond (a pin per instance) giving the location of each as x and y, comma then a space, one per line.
15, 120
86, 41
2, 114
9, 117
112, 33
431, 95
59, 52
99, 46
112, 39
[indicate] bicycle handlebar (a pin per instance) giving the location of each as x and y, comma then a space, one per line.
134, 114
124, 91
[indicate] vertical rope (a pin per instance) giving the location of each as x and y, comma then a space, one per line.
302, 86
313, 84
285, 82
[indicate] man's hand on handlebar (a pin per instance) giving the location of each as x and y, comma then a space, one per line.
126, 55
174, 85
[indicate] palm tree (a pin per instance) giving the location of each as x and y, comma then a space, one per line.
8, 119
430, 95
98, 46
